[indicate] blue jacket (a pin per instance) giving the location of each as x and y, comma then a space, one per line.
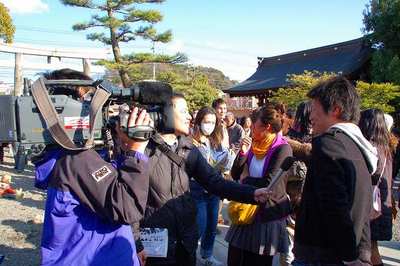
90, 204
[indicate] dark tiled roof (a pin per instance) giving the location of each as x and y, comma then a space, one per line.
345, 58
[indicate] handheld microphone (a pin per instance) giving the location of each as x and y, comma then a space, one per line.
286, 164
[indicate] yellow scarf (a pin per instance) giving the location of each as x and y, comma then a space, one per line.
261, 147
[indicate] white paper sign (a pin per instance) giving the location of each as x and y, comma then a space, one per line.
155, 241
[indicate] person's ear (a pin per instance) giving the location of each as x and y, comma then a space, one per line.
337, 111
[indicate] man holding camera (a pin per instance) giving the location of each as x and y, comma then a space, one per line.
173, 160
90, 202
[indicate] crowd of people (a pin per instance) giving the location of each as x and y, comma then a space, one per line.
337, 200
333, 204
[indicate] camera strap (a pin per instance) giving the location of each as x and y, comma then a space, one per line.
53, 122
164, 148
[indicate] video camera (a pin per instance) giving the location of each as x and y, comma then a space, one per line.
21, 121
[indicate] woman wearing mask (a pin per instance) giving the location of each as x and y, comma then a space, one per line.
374, 129
259, 159
207, 136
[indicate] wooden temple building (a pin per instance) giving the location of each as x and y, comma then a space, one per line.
349, 58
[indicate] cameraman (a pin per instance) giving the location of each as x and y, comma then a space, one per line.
90, 202
169, 204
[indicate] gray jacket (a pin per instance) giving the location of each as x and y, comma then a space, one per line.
236, 134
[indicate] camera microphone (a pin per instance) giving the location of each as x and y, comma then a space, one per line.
153, 92
145, 92
286, 164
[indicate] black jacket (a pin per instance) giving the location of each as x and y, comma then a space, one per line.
168, 181
333, 221
169, 206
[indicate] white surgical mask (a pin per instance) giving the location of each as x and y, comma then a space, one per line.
207, 128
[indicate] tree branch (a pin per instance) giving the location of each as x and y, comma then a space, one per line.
80, 3
99, 37
139, 58
150, 16
85, 26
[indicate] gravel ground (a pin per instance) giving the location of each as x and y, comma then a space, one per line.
21, 220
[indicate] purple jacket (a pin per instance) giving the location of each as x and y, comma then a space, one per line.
90, 204
278, 152
279, 140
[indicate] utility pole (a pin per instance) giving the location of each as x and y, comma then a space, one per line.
18, 74
154, 64
86, 66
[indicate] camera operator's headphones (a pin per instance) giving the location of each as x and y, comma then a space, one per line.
53, 122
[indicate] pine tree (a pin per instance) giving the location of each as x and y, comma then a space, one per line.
118, 17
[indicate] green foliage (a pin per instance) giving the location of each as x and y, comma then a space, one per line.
197, 89
117, 18
198, 92
296, 93
128, 61
384, 96
382, 27
382, 23
169, 77
7, 28
385, 66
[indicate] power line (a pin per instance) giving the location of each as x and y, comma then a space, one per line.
201, 57
44, 42
44, 30
78, 44
59, 31
83, 43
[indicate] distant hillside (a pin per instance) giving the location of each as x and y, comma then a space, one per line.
215, 77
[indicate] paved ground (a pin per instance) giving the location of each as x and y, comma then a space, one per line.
390, 250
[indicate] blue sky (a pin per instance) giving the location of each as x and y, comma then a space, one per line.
227, 35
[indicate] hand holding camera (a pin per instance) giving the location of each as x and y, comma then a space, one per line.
136, 118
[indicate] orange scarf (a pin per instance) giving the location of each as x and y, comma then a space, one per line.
260, 148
